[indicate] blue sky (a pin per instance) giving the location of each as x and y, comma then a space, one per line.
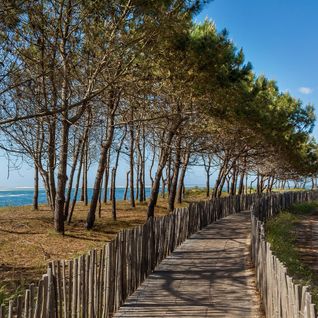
279, 37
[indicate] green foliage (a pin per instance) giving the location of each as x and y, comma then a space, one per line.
307, 208
281, 234
6, 296
195, 191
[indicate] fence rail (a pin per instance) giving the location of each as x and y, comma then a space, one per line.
96, 284
282, 298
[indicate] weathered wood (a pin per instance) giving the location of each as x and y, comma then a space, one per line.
64, 290
74, 288
10, 310
2, 311
98, 283
45, 296
19, 306
39, 300
281, 297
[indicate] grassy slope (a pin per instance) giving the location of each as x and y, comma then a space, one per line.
281, 232
28, 241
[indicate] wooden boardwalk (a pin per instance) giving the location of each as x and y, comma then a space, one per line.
209, 275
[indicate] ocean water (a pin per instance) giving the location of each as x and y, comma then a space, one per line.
19, 197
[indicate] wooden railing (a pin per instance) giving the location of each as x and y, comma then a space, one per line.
281, 297
96, 284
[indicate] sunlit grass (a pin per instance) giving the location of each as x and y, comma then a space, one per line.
281, 233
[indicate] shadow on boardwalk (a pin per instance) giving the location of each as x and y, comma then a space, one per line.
209, 275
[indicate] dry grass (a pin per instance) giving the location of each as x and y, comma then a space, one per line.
28, 241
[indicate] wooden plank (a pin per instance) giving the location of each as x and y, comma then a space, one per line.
19, 306
91, 285
64, 290
69, 288
45, 296
39, 300
2, 311
32, 300
74, 288
10, 310
27, 304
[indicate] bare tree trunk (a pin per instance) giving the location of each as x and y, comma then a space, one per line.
180, 190
141, 160
113, 177
113, 186
100, 205
51, 164
224, 178
241, 185
165, 151
154, 192
131, 161
151, 166
219, 181
168, 174
83, 182
207, 167
73, 168
60, 193
85, 171
208, 183
137, 179
70, 213
163, 186
234, 181
36, 170
174, 183
106, 177
127, 185
36, 188
102, 162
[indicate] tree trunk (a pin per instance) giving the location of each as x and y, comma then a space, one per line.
113, 186
162, 162
151, 166
241, 185
174, 183
60, 193
163, 186
102, 163
85, 171
168, 174
208, 182
221, 186
182, 176
234, 181
36, 188
142, 197
70, 213
106, 177
154, 192
131, 161
127, 185
73, 168
113, 177
51, 164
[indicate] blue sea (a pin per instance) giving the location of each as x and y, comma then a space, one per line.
18, 197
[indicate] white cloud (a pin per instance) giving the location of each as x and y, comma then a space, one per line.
305, 90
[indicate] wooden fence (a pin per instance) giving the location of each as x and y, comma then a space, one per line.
97, 284
281, 297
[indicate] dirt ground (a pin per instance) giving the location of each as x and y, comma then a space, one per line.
307, 240
28, 241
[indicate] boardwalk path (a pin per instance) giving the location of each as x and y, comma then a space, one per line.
209, 275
